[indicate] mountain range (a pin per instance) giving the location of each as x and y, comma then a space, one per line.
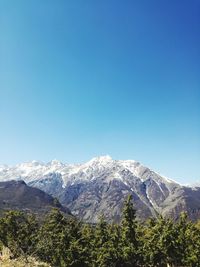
101, 185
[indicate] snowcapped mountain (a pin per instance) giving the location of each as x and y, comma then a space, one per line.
101, 185
34, 170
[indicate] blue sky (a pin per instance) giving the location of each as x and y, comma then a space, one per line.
85, 78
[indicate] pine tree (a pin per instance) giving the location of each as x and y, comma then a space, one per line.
18, 232
152, 248
188, 242
54, 239
107, 250
129, 239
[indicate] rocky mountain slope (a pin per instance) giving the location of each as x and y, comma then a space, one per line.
16, 195
101, 185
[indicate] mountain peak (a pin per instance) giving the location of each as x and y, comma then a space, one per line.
56, 162
37, 162
101, 159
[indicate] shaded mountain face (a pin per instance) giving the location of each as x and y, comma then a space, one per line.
16, 195
101, 185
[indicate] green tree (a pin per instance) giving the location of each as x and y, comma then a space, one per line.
129, 240
188, 242
107, 250
53, 239
60, 241
18, 232
153, 252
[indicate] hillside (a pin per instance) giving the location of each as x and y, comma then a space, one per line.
16, 195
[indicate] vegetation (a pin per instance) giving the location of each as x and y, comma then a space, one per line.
64, 241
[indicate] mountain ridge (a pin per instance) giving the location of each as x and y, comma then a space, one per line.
24, 169
17, 195
101, 185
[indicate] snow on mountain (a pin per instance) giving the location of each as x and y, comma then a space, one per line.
30, 171
195, 185
101, 185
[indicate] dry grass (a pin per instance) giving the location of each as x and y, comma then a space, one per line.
5, 261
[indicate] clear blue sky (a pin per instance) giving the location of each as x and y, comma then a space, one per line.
85, 78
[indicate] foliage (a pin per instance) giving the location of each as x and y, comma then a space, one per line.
64, 241
18, 232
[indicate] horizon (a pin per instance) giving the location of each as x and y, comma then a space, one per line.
79, 79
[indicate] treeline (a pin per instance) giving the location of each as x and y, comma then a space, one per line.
64, 241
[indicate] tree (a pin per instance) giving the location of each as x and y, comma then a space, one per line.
53, 239
188, 242
129, 240
18, 232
